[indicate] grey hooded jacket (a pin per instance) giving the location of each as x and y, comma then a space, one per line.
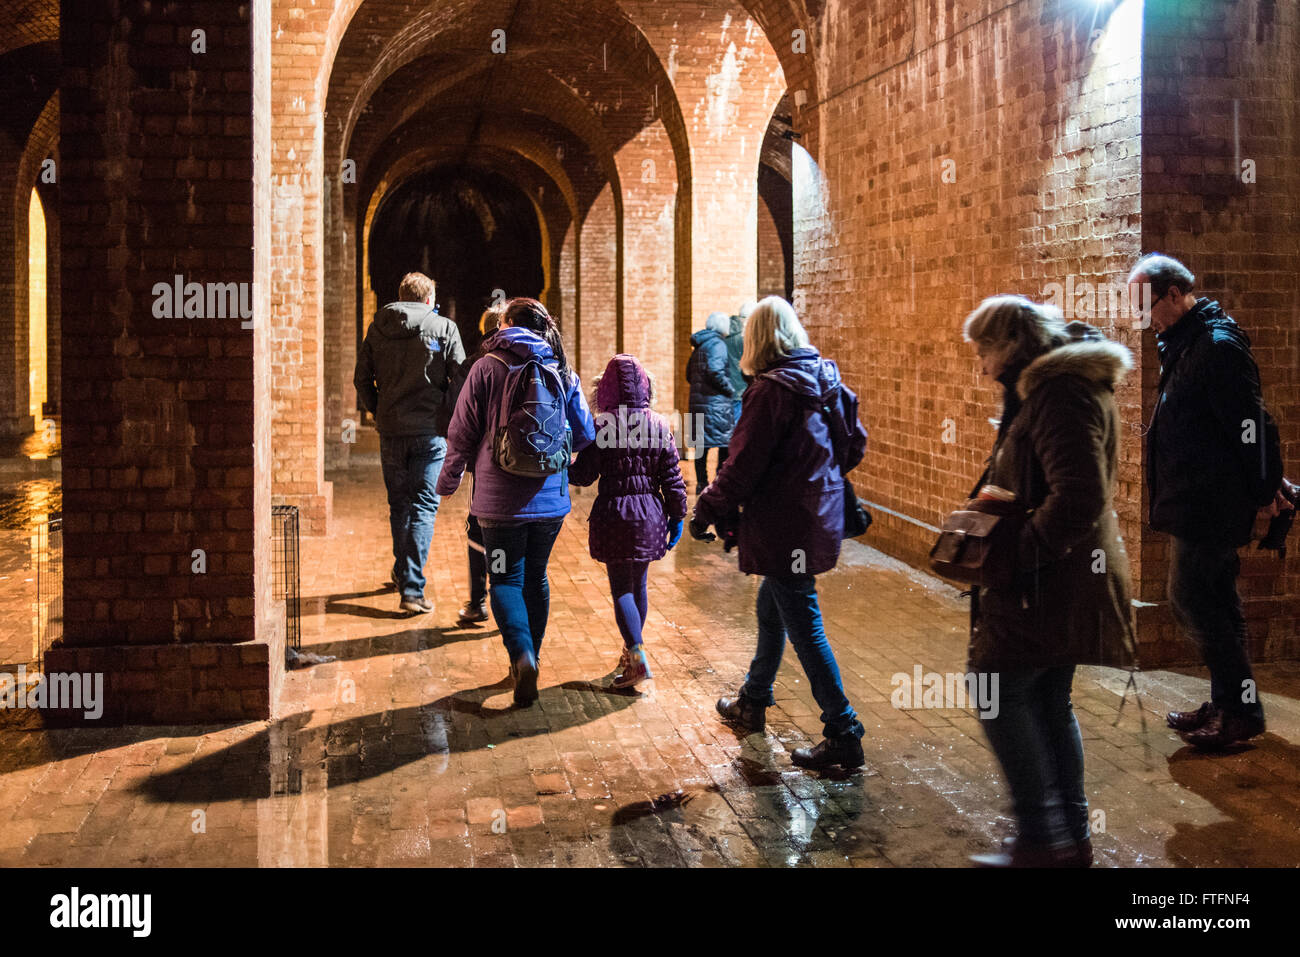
406, 369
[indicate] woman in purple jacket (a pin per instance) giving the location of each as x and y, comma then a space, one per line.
638, 513
520, 517
784, 472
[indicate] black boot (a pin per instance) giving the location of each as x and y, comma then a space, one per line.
743, 713
525, 675
844, 750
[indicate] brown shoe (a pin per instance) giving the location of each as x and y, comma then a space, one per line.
1190, 720
1224, 729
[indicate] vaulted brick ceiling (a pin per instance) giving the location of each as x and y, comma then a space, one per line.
580, 66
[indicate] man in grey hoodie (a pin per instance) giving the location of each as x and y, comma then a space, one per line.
404, 378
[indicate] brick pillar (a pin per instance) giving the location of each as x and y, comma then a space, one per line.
568, 274
727, 80
598, 288
298, 45
340, 325
1221, 192
165, 419
647, 174
53, 295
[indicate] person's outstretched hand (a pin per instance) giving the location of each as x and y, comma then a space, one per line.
674, 533
700, 531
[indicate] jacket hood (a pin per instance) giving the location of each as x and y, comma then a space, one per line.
805, 372
522, 344
403, 320
703, 336
1085, 353
625, 382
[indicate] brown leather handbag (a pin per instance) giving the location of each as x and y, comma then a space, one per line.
978, 542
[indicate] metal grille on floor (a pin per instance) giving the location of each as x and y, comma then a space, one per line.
284, 570
47, 544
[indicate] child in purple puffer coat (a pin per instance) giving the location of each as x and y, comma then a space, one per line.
641, 503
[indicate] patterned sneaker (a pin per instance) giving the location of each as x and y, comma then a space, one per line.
635, 671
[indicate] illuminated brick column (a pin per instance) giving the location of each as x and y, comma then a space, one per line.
299, 43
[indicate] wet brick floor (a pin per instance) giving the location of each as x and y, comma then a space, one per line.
405, 750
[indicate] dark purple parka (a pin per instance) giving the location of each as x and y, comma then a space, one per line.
635, 458
782, 470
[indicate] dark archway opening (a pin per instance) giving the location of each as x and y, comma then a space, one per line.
474, 232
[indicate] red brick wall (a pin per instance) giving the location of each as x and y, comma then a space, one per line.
598, 288
1039, 134
727, 80
159, 419
1221, 87
299, 38
648, 175
771, 258
568, 284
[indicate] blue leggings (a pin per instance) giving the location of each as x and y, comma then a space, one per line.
627, 586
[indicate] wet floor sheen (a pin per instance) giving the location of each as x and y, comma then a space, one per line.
405, 749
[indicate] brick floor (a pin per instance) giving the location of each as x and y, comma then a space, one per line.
405, 750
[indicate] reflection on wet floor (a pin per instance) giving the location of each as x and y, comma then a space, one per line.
405, 750
26, 504
45, 443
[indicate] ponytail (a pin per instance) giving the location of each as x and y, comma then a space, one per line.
532, 315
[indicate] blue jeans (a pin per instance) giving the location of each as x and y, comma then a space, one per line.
517, 554
787, 605
1036, 739
1203, 593
411, 465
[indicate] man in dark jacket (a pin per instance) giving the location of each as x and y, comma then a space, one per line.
1213, 461
404, 378
712, 414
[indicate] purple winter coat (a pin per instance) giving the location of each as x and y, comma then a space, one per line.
635, 458
782, 470
499, 495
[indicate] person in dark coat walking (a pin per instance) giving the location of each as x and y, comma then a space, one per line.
404, 377
521, 516
1057, 451
1213, 461
641, 503
475, 610
784, 472
712, 415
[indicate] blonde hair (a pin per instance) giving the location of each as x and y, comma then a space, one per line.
1014, 328
772, 332
491, 318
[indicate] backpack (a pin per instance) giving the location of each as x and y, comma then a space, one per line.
532, 438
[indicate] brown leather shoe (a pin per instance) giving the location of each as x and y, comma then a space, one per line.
1191, 720
1224, 729
743, 713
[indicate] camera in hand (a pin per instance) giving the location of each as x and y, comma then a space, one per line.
1280, 525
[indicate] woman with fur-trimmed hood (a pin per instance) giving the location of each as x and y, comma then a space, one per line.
1057, 450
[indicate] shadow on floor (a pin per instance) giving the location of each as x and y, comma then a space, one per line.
1247, 785
370, 745
397, 643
